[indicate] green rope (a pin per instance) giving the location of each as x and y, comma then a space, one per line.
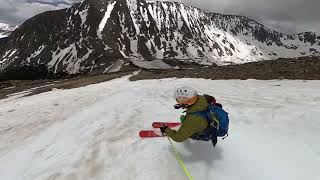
180, 160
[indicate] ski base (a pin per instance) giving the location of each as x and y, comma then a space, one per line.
168, 124
150, 133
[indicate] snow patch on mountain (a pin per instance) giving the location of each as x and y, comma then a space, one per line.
6, 29
105, 18
114, 67
155, 64
36, 53
83, 14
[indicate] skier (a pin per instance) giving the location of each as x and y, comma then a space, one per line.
196, 124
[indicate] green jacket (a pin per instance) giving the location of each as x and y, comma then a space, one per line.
192, 123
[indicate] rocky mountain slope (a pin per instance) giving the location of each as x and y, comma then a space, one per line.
6, 29
104, 36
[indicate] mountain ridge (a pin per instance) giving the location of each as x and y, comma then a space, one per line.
97, 35
6, 29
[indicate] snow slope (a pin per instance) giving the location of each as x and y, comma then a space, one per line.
91, 132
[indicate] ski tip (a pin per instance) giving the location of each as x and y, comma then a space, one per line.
141, 133
149, 134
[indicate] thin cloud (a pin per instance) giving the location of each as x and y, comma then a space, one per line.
17, 11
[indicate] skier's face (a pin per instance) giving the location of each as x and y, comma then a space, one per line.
186, 101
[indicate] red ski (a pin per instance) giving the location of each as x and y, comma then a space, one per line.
150, 133
157, 133
169, 124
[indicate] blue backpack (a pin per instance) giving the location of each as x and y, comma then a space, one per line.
218, 121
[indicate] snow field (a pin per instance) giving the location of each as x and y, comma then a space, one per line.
92, 132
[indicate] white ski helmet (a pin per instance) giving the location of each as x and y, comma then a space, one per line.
186, 95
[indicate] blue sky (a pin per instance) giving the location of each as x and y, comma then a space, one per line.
289, 16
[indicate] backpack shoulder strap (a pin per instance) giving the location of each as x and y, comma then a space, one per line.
209, 115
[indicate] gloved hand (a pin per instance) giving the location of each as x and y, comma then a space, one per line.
163, 129
177, 106
180, 106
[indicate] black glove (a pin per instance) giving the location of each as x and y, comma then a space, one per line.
180, 106
177, 106
163, 129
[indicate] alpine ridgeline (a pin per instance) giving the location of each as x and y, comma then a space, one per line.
104, 35
5, 31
